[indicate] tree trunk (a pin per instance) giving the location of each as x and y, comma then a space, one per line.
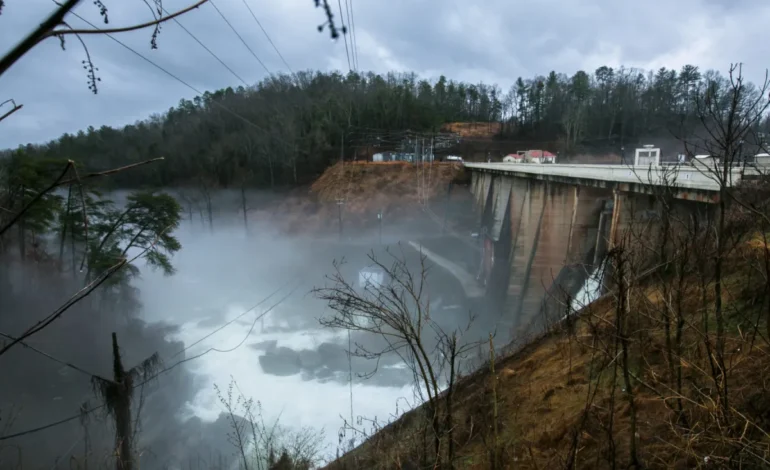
210, 211
494, 464
122, 407
720, 340
243, 206
449, 404
64, 230
621, 320
22, 240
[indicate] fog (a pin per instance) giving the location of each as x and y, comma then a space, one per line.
238, 309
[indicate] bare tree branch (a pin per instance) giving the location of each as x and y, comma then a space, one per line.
125, 29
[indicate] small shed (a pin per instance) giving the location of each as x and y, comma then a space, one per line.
647, 156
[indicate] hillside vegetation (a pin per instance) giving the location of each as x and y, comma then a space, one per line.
286, 130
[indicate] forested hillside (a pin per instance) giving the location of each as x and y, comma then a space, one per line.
287, 129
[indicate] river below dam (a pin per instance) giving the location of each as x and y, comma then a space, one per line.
273, 346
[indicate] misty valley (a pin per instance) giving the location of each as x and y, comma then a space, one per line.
227, 245
228, 307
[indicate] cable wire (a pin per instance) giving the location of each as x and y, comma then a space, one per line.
216, 103
231, 321
268, 37
352, 39
209, 51
344, 35
240, 37
353, 34
167, 369
257, 96
59, 361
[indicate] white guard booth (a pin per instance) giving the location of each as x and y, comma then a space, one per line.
647, 156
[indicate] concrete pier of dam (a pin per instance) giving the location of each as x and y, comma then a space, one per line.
543, 235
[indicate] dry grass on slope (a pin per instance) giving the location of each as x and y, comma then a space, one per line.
562, 402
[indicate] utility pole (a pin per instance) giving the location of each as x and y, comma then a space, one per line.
340, 202
422, 170
430, 168
446, 207
340, 199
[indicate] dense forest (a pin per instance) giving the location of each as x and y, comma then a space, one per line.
287, 129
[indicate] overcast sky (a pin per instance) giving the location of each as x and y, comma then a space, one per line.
493, 41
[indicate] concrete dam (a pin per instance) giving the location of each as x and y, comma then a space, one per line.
544, 230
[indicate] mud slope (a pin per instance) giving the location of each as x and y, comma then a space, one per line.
399, 190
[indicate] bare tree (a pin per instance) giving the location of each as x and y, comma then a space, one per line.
266, 446
728, 111
397, 310
56, 26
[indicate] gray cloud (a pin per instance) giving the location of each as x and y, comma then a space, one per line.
493, 41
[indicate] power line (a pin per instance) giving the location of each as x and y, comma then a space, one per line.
59, 361
257, 318
261, 98
353, 34
268, 37
208, 50
50, 425
350, 30
344, 34
231, 321
167, 369
240, 37
216, 103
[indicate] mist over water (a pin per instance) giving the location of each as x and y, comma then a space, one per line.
283, 358
298, 370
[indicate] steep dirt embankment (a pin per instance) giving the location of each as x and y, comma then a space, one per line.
562, 401
473, 129
397, 189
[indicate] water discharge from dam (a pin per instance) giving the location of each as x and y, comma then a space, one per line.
297, 370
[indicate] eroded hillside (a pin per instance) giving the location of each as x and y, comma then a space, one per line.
402, 192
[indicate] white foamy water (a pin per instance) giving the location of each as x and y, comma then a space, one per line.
221, 275
591, 290
298, 402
